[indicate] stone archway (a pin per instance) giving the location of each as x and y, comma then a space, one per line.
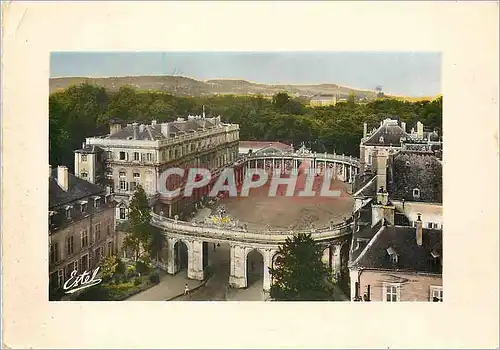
181, 256
254, 268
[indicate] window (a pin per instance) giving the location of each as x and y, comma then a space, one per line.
391, 292
436, 293
97, 230
170, 154
68, 213
84, 264
109, 173
72, 266
109, 155
60, 277
416, 193
84, 207
123, 185
54, 253
123, 174
149, 157
381, 139
122, 214
98, 254
430, 225
110, 248
84, 157
83, 175
137, 175
435, 225
137, 156
84, 235
133, 185
122, 156
70, 245
97, 202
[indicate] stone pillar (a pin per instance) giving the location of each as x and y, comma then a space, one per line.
238, 270
344, 168
195, 260
171, 266
268, 256
336, 259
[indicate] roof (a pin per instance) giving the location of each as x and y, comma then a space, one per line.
89, 149
77, 190
415, 170
257, 145
389, 133
402, 240
155, 132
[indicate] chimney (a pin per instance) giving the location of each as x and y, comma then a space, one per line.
365, 129
403, 126
419, 231
114, 127
165, 129
380, 166
62, 177
420, 130
134, 128
83, 145
382, 196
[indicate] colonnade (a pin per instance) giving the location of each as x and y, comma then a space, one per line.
197, 259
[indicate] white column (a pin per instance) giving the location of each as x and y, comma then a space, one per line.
238, 270
336, 259
266, 284
195, 260
343, 172
171, 268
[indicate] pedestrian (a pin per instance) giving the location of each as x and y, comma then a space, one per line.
186, 289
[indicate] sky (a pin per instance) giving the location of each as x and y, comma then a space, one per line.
399, 73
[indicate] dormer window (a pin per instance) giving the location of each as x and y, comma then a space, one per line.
97, 202
407, 163
83, 206
416, 193
381, 139
393, 255
84, 157
67, 211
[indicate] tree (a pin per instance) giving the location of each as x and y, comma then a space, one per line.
280, 99
298, 272
139, 219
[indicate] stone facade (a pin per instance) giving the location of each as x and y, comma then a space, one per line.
408, 286
137, 154
81, 225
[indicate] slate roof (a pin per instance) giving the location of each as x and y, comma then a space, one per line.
411, 257
258, 145
77, 190
153, 132
363, 180
90, 149
391, 133
410, 170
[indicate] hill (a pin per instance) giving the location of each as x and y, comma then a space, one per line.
183, 86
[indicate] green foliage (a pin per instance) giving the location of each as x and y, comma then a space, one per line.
137, 281
84, 110
298, 272
109, 266
141, 267
139, 236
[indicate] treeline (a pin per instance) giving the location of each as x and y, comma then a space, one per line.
85, 110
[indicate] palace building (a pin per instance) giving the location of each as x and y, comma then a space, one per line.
396, 249
81, 225
137, 154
